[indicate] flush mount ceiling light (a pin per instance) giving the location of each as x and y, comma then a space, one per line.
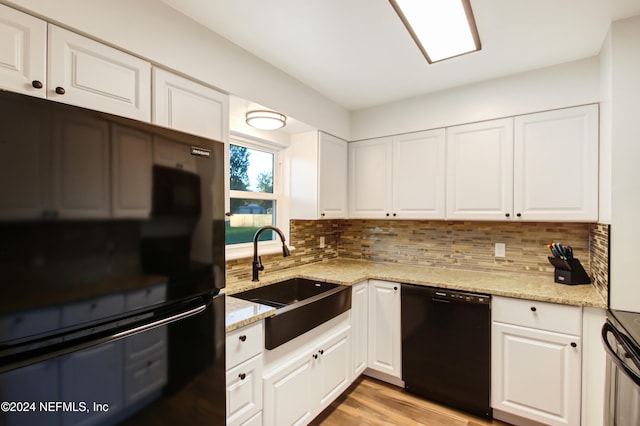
265, 120
442, 29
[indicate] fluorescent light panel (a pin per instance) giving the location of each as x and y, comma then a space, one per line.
442, 29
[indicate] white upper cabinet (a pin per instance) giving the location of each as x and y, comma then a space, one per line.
86, 73
23, 41
190, 107
480, 170
370, 177
534, 167
556, 165
419, 175
318, 176
332, 177
400, 177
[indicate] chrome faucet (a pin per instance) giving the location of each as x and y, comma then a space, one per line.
257, 260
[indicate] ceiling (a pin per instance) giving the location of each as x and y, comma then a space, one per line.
359, 54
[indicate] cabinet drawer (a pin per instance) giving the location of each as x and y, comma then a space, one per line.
244, 343
539, 315
244, 391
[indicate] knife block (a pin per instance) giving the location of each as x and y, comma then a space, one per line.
569, 271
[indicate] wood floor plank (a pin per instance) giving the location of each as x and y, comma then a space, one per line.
370, 402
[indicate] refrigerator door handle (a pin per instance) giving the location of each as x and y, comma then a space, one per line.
159, 323
28, 360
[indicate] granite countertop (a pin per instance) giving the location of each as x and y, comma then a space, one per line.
239, 313
349, 272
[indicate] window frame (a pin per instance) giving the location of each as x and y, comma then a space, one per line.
281, 210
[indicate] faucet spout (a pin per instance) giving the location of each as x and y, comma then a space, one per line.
257, 265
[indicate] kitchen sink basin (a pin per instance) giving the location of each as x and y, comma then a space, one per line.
301, 305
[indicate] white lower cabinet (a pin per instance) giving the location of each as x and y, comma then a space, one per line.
359, 327
385, 339
244, 375
536, 361
288, 392
298, 386
244, 391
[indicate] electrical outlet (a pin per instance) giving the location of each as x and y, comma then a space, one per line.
501, 250
321, 242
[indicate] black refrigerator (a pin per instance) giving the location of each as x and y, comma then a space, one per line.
111, 266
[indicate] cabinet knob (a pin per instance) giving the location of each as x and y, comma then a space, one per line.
507, 215
387, 214
395, 288
60, 90
394, 215
37, 84
533, 309
519, 214
315, 356
574, 344
321, 351
242, 376
322, 214
243, 338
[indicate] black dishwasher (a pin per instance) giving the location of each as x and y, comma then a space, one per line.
446, 347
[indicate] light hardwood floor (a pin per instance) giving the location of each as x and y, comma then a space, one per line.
369, 402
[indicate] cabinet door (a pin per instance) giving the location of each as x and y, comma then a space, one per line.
81, 168
536, 374
359, 327
81, 371
334, 367
244, 391
384, 328
556, 165
132, 157
23, 54
185, 105
480, 170
419, 175
96, 76
370, 178
290, 395
332, 177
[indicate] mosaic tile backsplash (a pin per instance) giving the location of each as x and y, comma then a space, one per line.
443, 244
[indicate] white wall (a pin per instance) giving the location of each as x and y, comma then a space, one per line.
606, 121
569, 84
625, 160
154, 31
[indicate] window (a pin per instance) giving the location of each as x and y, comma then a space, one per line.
254, 191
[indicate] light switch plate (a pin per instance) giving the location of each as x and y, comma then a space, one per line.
501, 250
